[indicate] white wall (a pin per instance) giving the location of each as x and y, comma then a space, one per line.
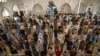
0, 13
73, 3
9, 5
96, 4
44, 3
29, 4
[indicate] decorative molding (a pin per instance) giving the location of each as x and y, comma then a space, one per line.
37, 9
66, 8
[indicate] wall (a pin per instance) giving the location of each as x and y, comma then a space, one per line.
29, 4
96, 4
0, 13
9, 6
73, 3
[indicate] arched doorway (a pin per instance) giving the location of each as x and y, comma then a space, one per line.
65, 8
15, 12
37, 9
15, 8
5, 13
82, 8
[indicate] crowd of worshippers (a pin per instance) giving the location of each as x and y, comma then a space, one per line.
62, 34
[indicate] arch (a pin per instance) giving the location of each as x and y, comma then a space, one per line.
65, 8
98, 10
37, 9
82, 8
15, 8
5, 12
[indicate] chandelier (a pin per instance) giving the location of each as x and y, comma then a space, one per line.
3, 0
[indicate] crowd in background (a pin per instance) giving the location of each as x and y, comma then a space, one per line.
62, 34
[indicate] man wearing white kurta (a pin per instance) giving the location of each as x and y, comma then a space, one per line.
61, 38
40, 42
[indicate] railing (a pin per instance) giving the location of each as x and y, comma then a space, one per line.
4, 46
7, 52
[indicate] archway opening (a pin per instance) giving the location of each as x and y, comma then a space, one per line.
5, 13
15, 10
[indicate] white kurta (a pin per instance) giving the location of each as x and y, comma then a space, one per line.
40, 42
61, 38
34, 27
66, 30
